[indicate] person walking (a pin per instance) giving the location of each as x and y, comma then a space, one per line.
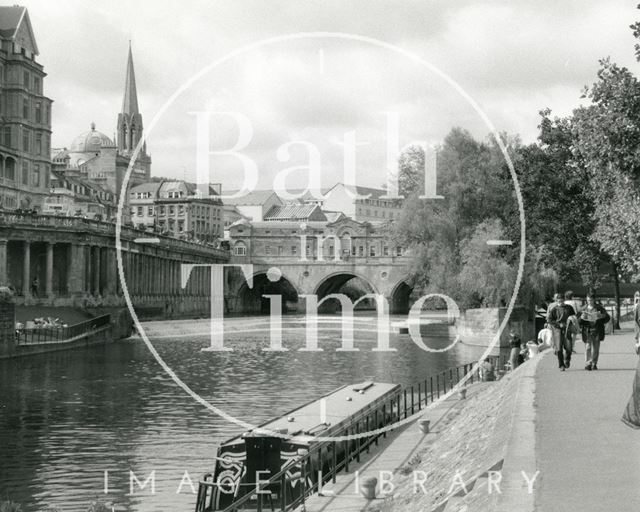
592, 321
557, 318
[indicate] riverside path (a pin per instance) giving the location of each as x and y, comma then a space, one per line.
587, 458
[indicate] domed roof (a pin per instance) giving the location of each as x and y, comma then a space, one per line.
90, 142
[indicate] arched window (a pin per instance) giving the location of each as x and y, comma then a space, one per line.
240, 249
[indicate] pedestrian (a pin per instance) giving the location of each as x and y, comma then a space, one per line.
557, 318
514, 344
592, 321
35, 284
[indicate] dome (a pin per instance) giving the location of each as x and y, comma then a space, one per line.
90, 142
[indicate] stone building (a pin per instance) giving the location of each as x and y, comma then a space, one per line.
177, 208
371, 207
25, 114
71, 195
344, 239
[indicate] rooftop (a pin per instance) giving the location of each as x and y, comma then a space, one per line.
292, 211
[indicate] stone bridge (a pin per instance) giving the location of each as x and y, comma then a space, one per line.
385, 275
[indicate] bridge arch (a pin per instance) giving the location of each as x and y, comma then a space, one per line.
400, 297
350, 283
251, 300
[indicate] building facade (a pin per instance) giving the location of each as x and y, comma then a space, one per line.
177, 208
289, 241
25, 115
362, 203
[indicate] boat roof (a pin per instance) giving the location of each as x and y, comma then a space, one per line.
339, 405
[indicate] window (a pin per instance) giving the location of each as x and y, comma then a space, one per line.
294, 250
25, 108
385, 250
267, 250
38, 144
6, 136
10, 169
180, 210
25, 173
150, 211
372, 250
162, 210
139, 211
36, 175
38, 112
361, 250
180, 226
25, 140
353, 250
172, 210
240, 249
279, 250
37, 85
399, 251
25, 79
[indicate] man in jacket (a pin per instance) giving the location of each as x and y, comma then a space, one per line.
592, 321
557, 318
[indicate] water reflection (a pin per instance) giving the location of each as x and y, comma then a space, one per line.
66, 418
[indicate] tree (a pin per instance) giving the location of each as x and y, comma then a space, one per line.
443, 233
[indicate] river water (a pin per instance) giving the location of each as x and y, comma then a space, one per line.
67, 418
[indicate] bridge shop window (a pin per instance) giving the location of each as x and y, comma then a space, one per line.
240, 249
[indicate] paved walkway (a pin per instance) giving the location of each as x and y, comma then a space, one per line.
587, 458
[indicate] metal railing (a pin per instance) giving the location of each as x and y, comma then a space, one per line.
48, 334
323, 460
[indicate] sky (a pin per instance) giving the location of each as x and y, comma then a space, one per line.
510, 58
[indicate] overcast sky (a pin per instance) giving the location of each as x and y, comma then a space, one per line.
513, 57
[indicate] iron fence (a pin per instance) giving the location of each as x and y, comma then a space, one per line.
49, 334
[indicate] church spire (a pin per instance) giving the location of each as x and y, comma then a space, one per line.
130, 100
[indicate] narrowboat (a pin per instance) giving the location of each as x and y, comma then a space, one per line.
277, 464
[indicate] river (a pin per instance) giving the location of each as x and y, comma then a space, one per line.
67, 418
